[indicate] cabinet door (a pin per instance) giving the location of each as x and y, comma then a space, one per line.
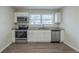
57, 17
39, 36
46, 36
35, 36
13, 35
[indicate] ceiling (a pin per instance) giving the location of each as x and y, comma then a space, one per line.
38, 7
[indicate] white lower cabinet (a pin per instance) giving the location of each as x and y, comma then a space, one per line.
13, 36
39, 36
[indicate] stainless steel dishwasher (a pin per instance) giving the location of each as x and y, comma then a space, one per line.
55, 36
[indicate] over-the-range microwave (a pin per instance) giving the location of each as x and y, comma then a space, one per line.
21, 19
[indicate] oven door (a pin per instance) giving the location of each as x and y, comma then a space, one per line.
21, 34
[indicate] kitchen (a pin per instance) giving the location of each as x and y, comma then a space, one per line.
38, 29
37, 26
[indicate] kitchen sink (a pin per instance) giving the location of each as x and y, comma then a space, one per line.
43, 28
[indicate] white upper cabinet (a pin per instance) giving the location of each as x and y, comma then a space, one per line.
58, 17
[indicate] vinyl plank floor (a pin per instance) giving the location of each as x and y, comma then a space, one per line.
38, 48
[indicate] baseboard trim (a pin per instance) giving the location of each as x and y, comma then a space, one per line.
5, 47
72, 47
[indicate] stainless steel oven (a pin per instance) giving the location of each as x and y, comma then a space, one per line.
21, 35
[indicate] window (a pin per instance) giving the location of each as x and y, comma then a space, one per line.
47, 19
41, 19
35, 19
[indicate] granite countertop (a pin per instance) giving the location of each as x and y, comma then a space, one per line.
33, 28
52, 28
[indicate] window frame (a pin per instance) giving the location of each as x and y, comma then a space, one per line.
48, 19
41, 22
34, 19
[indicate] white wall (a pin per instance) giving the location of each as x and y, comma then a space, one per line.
6, 23
71, 26
35, 10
